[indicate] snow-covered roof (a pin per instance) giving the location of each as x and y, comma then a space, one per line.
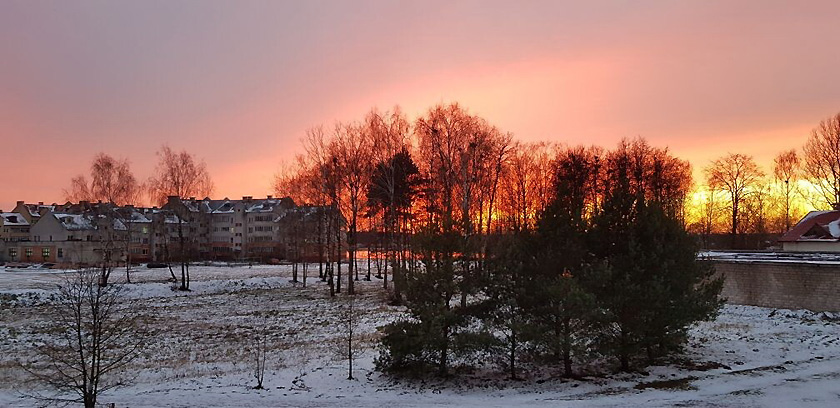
15, 219
224, 207
35, 209
817, 225
171, 219
134, 216
75, 222
302, 212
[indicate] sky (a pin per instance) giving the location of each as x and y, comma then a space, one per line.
237, 83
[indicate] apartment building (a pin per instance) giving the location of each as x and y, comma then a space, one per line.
198, 229
13, 227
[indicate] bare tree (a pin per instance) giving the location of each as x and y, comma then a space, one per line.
391, 188
462, 156
96, 334
821, 157
182, 175
111, 230
738, 176
178, 174
786, 168
352, 149
260, 352
350, 348
111, 181
710, 211
322, 185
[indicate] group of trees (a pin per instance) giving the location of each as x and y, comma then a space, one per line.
739, 197
112, 182
386, 175
521, 252
607, 269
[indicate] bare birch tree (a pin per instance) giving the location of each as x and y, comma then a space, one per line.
182, 175
111, 181
352, 150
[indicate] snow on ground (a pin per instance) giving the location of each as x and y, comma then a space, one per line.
200, 353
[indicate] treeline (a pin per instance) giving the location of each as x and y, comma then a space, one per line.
453, 172
608, 270
739, 197
503, 249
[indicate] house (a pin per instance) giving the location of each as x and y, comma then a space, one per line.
818, 231
13, 227
69, 238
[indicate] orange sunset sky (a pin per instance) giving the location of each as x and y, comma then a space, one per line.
237, 83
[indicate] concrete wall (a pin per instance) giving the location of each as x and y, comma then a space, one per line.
782, 285
811, 246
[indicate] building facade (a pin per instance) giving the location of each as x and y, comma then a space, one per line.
246, 229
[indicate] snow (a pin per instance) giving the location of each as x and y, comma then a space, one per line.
813, 214
775, 257
834, 228
75, 222
13, 219
749, 356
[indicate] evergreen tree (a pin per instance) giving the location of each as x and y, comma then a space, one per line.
648, 279
437, 331
507, 291
561, 308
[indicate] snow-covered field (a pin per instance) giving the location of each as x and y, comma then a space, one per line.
200, 353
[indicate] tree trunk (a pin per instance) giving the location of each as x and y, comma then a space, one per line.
567, 348
338, 256
512, 356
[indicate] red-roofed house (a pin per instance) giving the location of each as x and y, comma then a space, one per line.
819, 231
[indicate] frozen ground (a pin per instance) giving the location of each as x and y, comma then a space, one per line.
200, 356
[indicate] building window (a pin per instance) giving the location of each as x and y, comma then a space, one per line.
60, 252
12, 252
45, 252
29, 252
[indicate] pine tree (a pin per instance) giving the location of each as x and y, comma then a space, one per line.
648, 279
504, 309
435, 332
563, 311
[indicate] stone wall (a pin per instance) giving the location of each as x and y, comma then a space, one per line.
781, 285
